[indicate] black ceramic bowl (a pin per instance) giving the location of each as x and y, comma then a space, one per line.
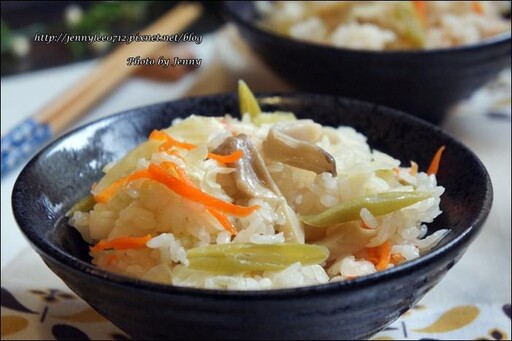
63, 172
422, 83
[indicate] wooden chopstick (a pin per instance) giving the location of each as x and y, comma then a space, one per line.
114, 69
24, 139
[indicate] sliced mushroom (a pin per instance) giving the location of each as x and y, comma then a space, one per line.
253, 179
293, 145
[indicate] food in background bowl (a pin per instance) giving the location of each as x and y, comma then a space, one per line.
387, 25
263, 202
421, 82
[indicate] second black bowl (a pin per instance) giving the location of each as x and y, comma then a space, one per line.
425, 83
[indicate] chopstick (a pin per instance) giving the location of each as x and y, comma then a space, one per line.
27, 137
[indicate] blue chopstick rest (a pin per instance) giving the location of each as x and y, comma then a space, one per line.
22, 141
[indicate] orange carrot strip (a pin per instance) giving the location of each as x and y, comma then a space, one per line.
171, 142
373, 260
434, 165
233, 157
122, 243
165, 147
184, 188
221, 217
170, 166
157, 135
162, 135
397, 258
223, 220
195, 194
184, 145
421, 9
372, 255
183, 176
112, 189
110, 259
477, 7
372, 251
384, 251
180, 173
173, 152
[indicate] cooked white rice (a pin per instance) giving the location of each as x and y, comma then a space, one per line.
176, 224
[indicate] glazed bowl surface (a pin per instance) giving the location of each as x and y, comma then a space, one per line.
62, 173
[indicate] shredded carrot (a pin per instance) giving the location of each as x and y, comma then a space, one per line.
162, 135
421, 9
380, 255
180, 173
111, 190
384, 252
221, 217
183, 186
372, 255
434, 165
372, 251
122, 243
223, 220
158, 135
171, 142
414, 168
397, 258
165, 147
477, 7
110, 259
183, 176
173, 152
233, 157
193, 193
175, 170
139, 174
373, 260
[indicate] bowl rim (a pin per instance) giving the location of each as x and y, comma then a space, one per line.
41, 244
232, 15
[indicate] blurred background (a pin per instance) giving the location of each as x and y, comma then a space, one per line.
21, 20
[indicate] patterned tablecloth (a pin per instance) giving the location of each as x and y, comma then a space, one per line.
471, 302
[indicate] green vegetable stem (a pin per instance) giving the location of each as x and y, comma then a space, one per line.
378, 204
238, 257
